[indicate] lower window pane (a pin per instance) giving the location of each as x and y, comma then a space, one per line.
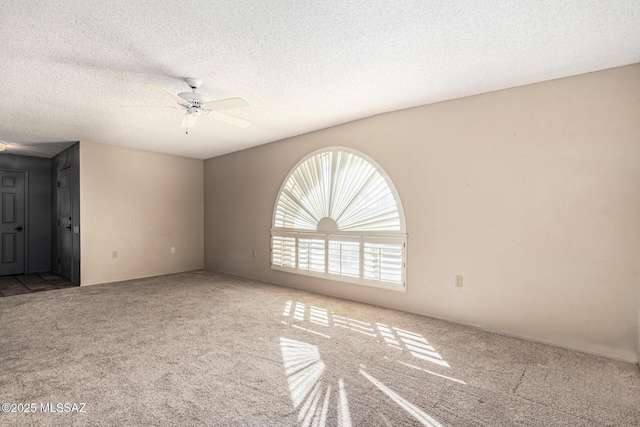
311, 255
283, 251
383, 262
344, 258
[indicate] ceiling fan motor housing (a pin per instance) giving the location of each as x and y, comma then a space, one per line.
194, 98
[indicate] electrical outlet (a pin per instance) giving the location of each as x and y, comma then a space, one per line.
114, 254
459, 281
173, 249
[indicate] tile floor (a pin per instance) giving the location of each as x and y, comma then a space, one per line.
28, 283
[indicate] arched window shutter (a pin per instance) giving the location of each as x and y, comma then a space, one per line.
339, 216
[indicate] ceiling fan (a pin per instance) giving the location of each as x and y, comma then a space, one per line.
196, 104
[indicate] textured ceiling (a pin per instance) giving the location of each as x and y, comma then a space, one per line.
70, 70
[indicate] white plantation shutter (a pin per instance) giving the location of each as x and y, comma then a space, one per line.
344, 256
384, 260
283, 251
339, 215
311, 254
338, 185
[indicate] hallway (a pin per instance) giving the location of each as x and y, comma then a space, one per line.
29, 283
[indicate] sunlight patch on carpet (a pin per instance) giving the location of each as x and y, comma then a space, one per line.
413, 410
397, 338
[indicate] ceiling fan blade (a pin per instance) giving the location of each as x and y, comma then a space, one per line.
224, 104
188, 121
150, 106
168, 94
235, 121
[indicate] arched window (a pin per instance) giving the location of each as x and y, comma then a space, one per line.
338, 216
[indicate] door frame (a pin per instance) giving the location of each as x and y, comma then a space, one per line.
25, 255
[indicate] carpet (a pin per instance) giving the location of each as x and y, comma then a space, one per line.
202, 348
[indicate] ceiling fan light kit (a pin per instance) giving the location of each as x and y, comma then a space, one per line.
196, 104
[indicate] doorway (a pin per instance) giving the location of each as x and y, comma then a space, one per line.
31, 203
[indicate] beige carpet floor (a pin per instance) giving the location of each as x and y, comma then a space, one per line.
202, 348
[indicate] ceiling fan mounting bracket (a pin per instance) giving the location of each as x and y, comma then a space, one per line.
193, 83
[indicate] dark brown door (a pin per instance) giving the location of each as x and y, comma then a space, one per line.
12, 222
65, 234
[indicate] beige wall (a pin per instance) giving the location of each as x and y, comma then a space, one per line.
532, 194
139, 204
